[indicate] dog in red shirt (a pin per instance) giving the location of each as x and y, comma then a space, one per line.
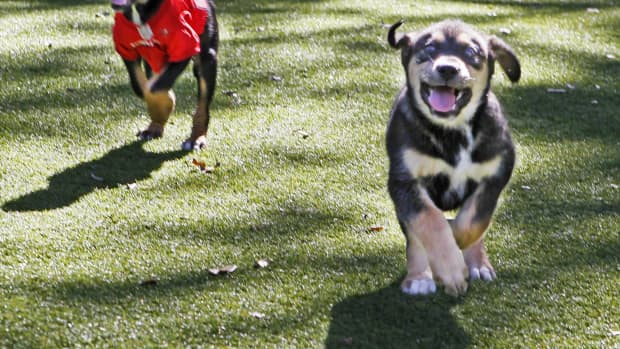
156, 40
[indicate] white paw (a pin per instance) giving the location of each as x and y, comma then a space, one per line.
482, 273
419, 287
187, 146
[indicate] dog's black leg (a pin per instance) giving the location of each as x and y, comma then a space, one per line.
137, 77
205, 71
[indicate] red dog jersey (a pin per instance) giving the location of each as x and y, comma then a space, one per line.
176, 30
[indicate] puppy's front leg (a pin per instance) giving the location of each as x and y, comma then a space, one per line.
430, 243
157, 93
470, 225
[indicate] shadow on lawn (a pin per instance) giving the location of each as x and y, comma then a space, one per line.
124, 165
389, 319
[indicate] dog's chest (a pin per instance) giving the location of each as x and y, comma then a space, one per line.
457, 168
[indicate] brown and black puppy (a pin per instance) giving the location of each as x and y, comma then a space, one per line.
449, 148
157, 39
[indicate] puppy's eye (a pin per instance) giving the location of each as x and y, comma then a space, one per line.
472, 52
430, 49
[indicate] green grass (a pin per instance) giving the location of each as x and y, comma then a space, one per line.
75, 252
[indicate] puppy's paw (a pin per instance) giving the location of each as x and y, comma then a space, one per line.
478, 263
197, 144
153, 131
419, 286
456, 284
484, 273
452, 273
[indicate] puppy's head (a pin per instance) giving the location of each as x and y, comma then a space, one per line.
449, 67
121, 5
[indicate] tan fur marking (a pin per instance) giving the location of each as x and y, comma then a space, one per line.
159, 105
466, 231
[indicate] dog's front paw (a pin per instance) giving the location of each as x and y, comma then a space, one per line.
418, 286
197, 144
477, 261
151, 132
483, 273
452, 272
455, 284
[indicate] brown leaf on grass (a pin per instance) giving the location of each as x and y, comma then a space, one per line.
257, 315
149, 283
202, 166
227, 269
302, 133
261, 263
376, 228
347, 341
556, 90
96, 178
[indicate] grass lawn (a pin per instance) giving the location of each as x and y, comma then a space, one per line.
106, 241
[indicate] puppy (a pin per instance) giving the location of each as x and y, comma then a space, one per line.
449, 148
156, 40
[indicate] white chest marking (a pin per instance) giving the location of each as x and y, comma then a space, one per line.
422, 165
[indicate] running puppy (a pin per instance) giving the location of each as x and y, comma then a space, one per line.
449, 148
157, 39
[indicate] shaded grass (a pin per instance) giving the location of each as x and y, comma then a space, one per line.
75, 252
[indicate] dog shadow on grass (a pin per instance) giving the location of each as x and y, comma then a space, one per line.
121, 166
388, 318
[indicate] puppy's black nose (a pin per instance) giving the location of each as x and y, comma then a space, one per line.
447, 71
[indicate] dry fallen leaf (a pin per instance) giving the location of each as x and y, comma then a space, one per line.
227, 269
303, 133
95, 177
149, 283
257, 315
202, 165
276, 78
261, 263
556, 90
376, 228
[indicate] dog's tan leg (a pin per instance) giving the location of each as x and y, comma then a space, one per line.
419, 279
433, 231
160, 105
469, 227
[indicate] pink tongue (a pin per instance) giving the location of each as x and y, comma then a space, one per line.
442, 99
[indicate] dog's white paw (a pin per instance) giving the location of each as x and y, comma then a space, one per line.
419, 287
483, 273
197, 144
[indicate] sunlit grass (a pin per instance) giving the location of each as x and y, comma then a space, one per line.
107, 242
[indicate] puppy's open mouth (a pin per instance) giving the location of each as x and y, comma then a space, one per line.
445, 100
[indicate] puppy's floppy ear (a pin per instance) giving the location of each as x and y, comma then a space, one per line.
398, 40
506, 58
